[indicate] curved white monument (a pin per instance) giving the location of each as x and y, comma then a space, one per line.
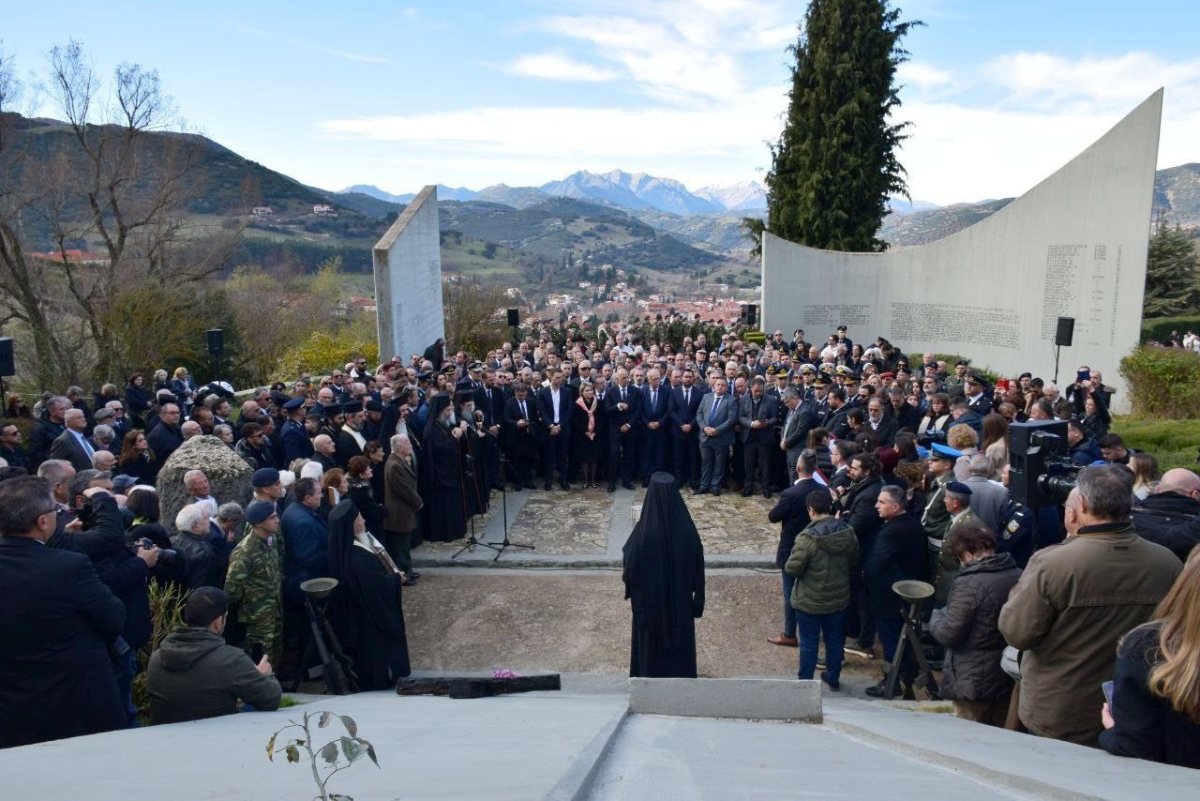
408, 280
1073, 246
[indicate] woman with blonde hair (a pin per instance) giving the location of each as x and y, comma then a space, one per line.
1145, 474
1155, 707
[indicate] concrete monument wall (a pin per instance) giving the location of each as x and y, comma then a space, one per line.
408, 280
1073, 246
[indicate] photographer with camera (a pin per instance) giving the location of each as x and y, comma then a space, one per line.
194, 675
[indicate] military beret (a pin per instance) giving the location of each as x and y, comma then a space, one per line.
259, 511
264, 477
958, 488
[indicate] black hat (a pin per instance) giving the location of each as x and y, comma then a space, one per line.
841, 328
315, 411
293, 404
263, 477
958, 488
425, 376
820, 380
373, 406
464, 395
280, 399
333, 410
974, 378
352, 407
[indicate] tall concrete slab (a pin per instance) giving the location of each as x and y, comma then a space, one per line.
1073, 246
408, 280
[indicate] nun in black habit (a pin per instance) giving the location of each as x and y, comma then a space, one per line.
366, 608
664, 580
447, 514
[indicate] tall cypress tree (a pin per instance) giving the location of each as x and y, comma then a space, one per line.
835, 164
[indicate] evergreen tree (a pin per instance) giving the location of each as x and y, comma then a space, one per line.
1171, 286
835, 165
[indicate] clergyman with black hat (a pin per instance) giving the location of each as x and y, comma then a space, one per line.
255, 577
350, 441
194, 675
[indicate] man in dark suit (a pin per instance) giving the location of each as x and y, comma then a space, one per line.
792, 512
757, 412
166, 437
72, 445
797, 422
682, 407
715, 418
623, 406
56, 677
836, 412
656, 419
554, 406
521, 436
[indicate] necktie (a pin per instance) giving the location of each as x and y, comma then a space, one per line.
523, 415
712, 415
653, 399
687, 397
622, 394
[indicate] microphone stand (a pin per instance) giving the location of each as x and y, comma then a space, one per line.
471, 540
506, 542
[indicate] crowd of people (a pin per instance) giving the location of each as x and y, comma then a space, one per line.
884, 470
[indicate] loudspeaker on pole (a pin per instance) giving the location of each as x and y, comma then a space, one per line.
1065, 332
216, 342
514, 318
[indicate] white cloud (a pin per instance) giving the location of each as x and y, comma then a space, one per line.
1045, 80
558, 67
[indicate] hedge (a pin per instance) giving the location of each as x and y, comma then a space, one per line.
1159, 329
951, 359
1163, 382
1172, 442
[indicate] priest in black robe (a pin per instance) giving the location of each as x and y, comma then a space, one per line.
664, 581
447, 519
472, 461
367, 606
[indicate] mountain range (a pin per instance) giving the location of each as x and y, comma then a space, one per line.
626, 190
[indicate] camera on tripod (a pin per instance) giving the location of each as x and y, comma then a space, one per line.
1041, 472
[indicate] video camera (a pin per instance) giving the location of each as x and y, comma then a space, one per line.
1041, 472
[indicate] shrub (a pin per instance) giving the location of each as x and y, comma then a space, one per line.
915, 360
1163, 382
1159, 329
323, 350
1172, 442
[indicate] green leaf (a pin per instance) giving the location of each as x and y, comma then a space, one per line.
330, 752
370, 750
293, 754
325, 716
271, 747
350, 725
351, 749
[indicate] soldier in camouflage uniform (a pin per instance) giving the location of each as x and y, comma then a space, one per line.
255, 577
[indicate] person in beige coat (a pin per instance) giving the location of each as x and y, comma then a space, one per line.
1075, 602
402, 503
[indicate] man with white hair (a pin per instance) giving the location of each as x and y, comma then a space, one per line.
104, 461
72, 445
195, 486
324, 451
402, 502
190, 429
206, 564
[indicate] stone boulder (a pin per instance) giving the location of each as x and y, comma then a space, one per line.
228, 475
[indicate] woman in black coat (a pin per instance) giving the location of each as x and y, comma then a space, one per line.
971, 674
366, 607
137, 400
1155, 712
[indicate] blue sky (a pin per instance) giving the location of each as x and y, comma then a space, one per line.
522, 92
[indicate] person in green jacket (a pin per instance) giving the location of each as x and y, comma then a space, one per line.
255, 577
194, 675
822, 558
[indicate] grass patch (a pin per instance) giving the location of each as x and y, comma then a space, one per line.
287, 701
1172, 442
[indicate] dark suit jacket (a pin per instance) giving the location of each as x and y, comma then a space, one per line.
768, 412
67, 447
510, 432
792, 511
545, 403
682, 412
616, 418
56, 678
346, 449
660, 412
888, 428
401, 498
900, 552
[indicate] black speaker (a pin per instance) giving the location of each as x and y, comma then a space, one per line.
514, 318
751, 315
7, 366
216, 342
1065, 331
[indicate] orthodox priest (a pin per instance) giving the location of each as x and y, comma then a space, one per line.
472, 464
664, 581
367, 605
447, 519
